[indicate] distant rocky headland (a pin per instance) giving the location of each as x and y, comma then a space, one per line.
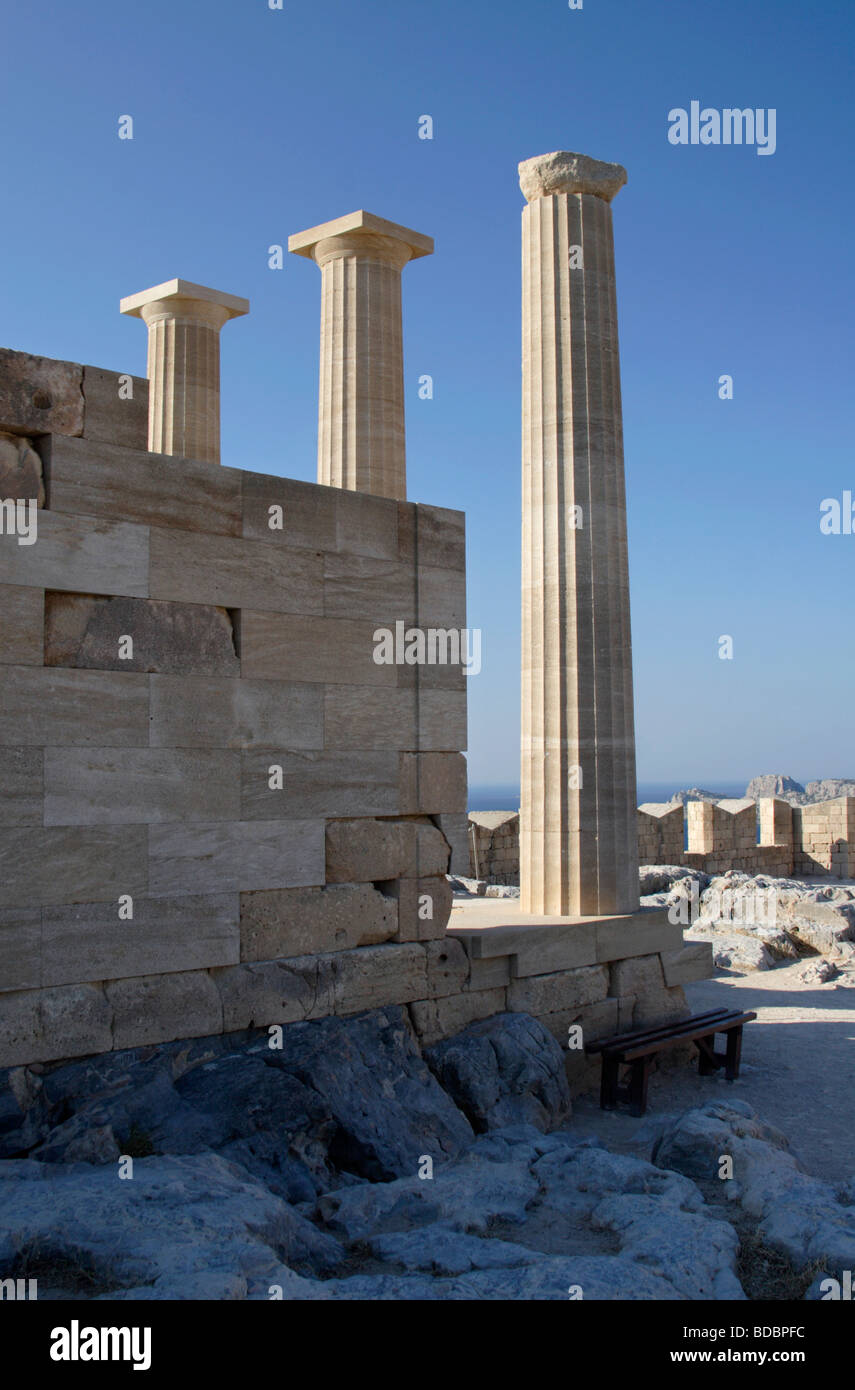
776, 784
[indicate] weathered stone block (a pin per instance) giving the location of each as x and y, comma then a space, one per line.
89, 941
71, 864
223, 713
195, 568
81, 553
374, 976
442, 599
640, 975
92, 478
21, 1036
76, 1020
112, 417
661, 1006
434, 1019
599, 1020
368, 851
447, 968
285, 922
694, 961
562, 991
39, 395
424, 906
22, 625
366, 525
255, 995
492, 973
22, 787
455, 827
356, 717
20, 950
133, 786
638, 934
51, 706
308, 511
21, 475
235, 857
286, 646
433, 783
85, 630
158, 1008
319, 784
361, 586
432, 536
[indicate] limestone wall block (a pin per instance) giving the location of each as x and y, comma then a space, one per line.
236, 857
159, 1008
227, 713
80, 553
85, 630
561, 991
370, 850
40, 395
191, 567
102, 479
286, 922
51, 706
22, 629
111, 417
434, 1019
87, 941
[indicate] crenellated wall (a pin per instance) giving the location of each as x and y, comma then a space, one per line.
816, 840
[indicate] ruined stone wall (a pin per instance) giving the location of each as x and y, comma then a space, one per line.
814, 840
494, 846
218, 810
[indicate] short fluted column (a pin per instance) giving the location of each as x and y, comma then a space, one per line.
361, 431
184, 322
578, 837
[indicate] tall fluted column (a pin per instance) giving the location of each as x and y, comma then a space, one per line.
361, 434
578, 837
184, 322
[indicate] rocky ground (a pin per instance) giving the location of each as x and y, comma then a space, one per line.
346, 1164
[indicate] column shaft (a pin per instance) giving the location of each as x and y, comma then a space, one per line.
578, 852
184, 322
361, 431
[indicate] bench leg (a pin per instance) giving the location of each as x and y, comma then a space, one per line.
638, 1086
609, 1084
733, 1055
707, 1061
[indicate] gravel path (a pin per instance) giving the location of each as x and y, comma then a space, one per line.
798, 1069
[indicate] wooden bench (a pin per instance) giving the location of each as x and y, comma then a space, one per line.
637, 1050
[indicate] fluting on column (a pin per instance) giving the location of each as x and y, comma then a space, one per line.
184, 322
578, 847
361, 433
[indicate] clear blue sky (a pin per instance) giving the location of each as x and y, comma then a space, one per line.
251, 124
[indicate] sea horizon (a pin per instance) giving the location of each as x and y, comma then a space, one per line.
505, 796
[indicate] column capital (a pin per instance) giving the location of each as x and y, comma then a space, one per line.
183, 299
565, 172
361, 234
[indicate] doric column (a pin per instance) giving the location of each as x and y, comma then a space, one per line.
361, 439
184, 322
578, 836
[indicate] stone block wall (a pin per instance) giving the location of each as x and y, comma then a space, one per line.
825, 838
219, 810
660, 833
494, 846
817, 840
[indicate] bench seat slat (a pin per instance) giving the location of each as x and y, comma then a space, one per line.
641, 1034
721, 1025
